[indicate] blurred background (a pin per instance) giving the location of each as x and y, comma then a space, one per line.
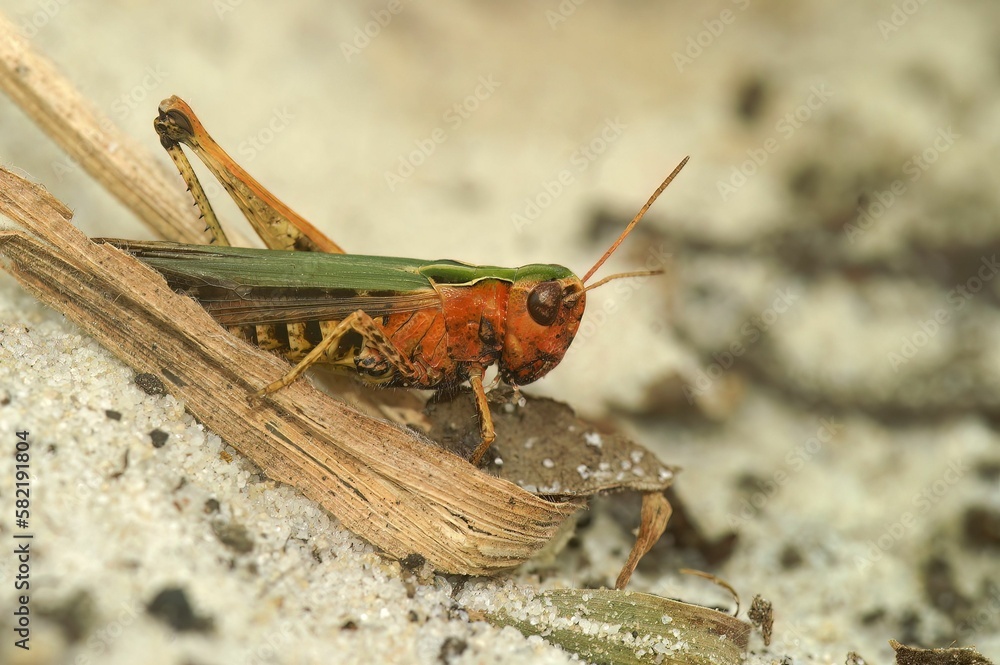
822, 356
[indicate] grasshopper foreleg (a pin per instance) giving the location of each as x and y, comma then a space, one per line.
486, 430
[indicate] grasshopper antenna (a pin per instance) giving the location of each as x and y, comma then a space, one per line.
622, 275
619, 275
631, 225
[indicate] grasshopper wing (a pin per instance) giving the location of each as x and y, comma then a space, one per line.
243, 286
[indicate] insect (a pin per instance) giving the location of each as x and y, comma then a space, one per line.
390, 321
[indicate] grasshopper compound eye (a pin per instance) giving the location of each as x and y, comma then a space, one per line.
544, 301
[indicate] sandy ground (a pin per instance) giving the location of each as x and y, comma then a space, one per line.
821, 357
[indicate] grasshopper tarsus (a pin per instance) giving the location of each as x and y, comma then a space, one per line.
273, 387
480, 452
254, 399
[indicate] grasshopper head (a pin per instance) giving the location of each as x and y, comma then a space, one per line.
543, 313
545, 307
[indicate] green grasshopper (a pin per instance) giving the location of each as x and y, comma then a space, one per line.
390, 321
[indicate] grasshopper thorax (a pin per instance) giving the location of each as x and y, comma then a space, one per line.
544, 309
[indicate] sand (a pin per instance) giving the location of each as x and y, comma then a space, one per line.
834, 234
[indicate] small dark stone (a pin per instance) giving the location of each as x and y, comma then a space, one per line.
413, 561
113, 415
748, 482
349, 625
806, 180
414, 617
873, 616
982, 526
75, 616
150, 384
121, 472
791, 557
751, 98
940, 588
5, 399
212, 506
159, 438
909, 628
988, 471
451, 648
171, 606
234, 536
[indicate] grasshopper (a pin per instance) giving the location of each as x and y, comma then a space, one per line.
390, 321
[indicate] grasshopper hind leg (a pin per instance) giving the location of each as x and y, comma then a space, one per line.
277, 225
168, 126
389, 359
381, 362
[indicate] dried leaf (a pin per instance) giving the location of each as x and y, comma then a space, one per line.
624, 627
718, 581
761, 615
653, 521
915, 656
545, 448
